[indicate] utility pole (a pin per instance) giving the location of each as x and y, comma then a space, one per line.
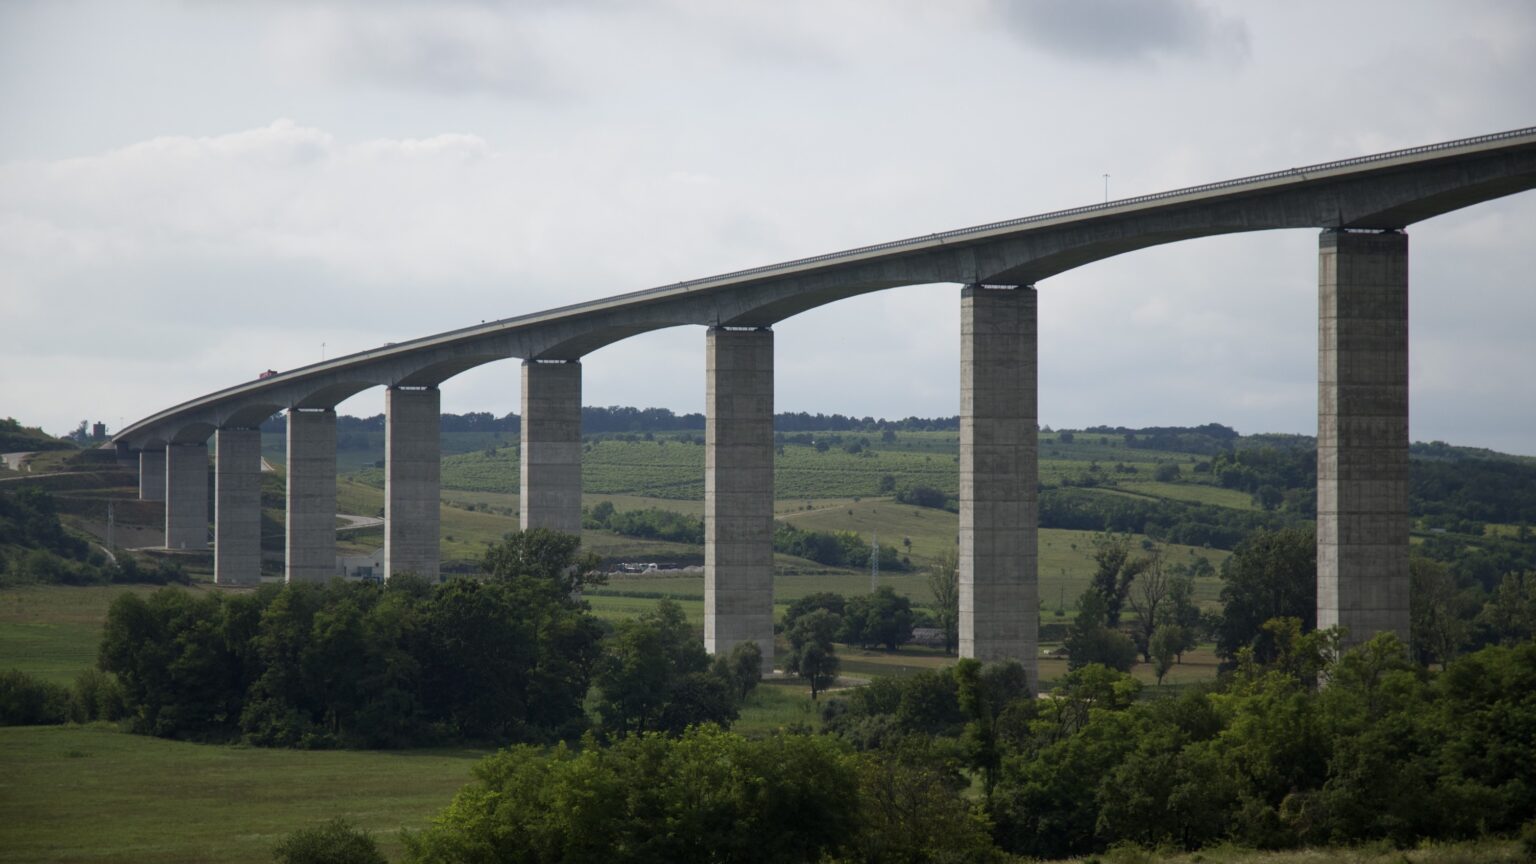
1106, 188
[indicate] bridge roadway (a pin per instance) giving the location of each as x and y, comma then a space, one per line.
1361, 205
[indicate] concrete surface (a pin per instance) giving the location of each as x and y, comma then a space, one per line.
412, 472
999, 582
550, 456
186, 496
237, 506
738, 490
1362, 433
152, 475
310, 555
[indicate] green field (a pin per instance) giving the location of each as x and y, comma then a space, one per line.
94, 794
52, 632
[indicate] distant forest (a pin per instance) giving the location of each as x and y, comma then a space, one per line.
621, 418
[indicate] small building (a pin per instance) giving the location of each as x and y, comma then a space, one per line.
365, 567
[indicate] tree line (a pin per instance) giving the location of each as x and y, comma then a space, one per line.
832, 548
507, 658
1388, 752
36, 548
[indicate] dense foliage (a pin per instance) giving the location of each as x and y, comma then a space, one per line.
833, 548
1387, 752
707, 796
16, 438
505, 659
334, 842
1163, 520
650, 523
28, 701
656, 677
35, 548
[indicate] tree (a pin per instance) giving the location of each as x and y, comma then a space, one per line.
879, 618
832, 602
811, 655
1437, 630
1166, 643
1149, 599
1091, 640
545, 563
985, 692
653, 677
742, 668
1114, 569
334, 842
1180, 611
1509, 616
708, 795
944, 585
1272, 574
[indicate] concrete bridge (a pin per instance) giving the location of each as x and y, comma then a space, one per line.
1362, 206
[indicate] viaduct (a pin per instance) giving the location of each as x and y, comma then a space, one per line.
1362, 206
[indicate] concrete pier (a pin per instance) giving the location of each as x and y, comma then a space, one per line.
550, 456
738, 491
999, 511
412, 473
152, 475
1362, 433
237, 506
311, 517
186, 496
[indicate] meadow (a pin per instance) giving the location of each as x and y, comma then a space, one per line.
95, 794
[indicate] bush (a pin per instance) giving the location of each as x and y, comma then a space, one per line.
26, 701
97, 696
335, 842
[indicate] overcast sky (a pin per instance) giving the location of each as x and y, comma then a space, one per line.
193, 192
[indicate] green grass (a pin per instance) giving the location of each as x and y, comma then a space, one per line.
94, 794
1196, 493
778, 703
51, 631
628, 608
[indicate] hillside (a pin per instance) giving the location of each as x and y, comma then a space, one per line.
16, 438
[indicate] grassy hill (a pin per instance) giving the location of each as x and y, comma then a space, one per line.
16, 438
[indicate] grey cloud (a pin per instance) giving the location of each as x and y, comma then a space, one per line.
1122, 31
452, 49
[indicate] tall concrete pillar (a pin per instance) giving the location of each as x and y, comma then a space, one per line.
186, 496
550, 457
152, 475
1362, 433
738, 491
999, 510
237, 506
412, 472
310, 553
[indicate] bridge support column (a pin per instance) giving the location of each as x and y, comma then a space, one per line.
186, 496
311, 518
550, 455
738, 491
1362, 433
412, 471
999, 586
237, 507
151, 475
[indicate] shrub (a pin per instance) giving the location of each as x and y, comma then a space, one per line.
26, 701
335, 842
